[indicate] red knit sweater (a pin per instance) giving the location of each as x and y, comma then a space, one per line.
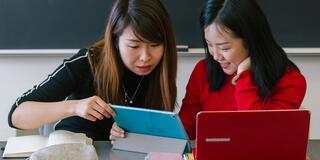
287, 94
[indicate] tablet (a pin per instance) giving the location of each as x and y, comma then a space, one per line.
149, 122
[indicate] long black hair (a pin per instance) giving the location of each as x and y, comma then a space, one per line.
246, 21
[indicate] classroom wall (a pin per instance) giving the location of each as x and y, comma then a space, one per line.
20, 72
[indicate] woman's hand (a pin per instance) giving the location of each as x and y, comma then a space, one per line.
244, 65
116, 132
93, 108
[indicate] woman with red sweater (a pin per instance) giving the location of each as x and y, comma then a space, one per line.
244, 68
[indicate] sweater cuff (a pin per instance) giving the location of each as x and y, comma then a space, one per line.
240, 75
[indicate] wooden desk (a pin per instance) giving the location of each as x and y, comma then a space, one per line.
105, 152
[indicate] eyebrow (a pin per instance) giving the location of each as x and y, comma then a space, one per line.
138, 41
134, 40
222, 43
219, 44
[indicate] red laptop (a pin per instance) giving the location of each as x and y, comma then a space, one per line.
252, 135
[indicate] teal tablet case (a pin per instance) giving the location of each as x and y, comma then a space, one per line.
149, 122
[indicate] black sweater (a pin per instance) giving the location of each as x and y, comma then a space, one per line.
73, 80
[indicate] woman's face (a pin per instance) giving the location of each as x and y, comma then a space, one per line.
225, 48
140, 57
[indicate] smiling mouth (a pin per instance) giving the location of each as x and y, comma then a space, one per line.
224, 65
